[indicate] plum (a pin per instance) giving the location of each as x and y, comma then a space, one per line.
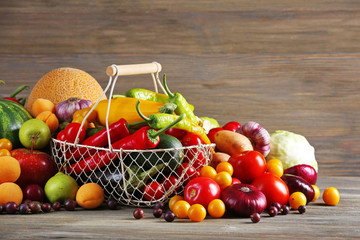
305, 171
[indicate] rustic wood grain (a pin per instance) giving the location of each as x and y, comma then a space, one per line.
316, 95
290, 65
319, 221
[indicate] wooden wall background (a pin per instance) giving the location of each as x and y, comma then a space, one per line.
291, 65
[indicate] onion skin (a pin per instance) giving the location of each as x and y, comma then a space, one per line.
66, 109
305, 171
298, 184
243, 199
259, 136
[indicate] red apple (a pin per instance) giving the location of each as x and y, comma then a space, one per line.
36, 166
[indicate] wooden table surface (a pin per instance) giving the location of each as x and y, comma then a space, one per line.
288, 65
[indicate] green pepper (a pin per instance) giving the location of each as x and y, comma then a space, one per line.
160, 120
145, 94
182, 105
137, 178
213, 122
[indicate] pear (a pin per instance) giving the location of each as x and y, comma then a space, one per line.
61, 187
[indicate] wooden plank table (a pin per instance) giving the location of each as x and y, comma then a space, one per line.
319, 221
289, 65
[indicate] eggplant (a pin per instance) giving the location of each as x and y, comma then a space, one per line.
117, 183
298, 184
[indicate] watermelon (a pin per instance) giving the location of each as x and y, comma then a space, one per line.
12, 116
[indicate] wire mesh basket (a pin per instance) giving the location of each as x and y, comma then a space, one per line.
125, 176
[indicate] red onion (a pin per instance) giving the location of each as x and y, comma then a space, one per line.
243, 199
66, 109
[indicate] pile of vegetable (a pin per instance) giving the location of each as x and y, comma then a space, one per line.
149, 149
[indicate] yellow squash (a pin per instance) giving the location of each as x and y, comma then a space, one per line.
123, 107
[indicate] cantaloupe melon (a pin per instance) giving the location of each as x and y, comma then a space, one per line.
62, 83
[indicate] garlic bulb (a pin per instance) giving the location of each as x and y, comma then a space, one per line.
66, 109
259, 136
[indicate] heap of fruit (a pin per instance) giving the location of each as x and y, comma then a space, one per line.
247, 172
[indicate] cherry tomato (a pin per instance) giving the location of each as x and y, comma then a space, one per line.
5, 144
169, 181
197, 213
274, 188
175, 132
331, 196
173, 200
247, 165
235, 180
224, 179
208, 171
181, 209
225, 167
61, 136
190, 172
4, 152
216, 208
317, 193
153, 191
201, 190
275, 167
212, 133
297, 199
193, 155
232, 126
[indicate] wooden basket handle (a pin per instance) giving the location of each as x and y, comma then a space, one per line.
133, 69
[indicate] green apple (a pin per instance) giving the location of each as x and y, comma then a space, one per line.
34, 133
60, 187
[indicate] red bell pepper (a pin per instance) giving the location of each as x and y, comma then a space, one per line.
144, 138
70, 132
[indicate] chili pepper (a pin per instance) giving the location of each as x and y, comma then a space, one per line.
145, 94
16, 92
159, 120
181, 103
144, 138
70, 132
117, 131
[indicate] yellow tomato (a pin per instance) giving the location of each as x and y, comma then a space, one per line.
331, 196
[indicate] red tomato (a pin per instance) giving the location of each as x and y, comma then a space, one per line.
175, 132
232, 126
153, 191
61, 136
193, 155
201, 190
274, 188
170, 181
212, 133
247, 165
235, 180
190, 173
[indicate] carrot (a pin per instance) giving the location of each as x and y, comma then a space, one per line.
232, 142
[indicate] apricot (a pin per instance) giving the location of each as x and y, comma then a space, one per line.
10, 191
50, 119
40, 105
90, 195
9, 169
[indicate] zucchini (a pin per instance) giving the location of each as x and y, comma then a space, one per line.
149, 158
